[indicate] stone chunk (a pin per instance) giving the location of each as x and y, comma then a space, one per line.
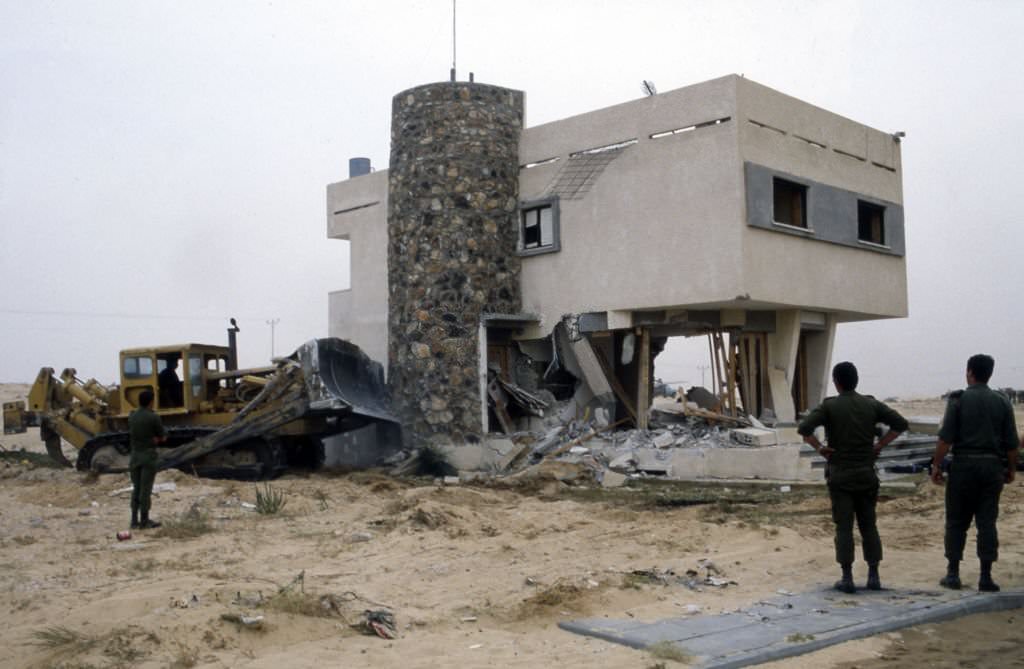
613, 479
623, 463
664, 440
752, 436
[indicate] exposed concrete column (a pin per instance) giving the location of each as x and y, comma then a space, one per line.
819, 361
782, 348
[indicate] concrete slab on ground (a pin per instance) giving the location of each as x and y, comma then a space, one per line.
785, 626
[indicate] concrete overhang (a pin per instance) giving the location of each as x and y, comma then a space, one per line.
509, 321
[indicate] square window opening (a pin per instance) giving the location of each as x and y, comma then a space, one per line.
870, 223
538, 229
789, 201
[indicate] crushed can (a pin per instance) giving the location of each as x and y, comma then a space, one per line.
124, 535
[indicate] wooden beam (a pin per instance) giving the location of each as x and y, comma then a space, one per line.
643, 383
497, 394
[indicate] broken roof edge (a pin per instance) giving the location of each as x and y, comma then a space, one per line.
509, 320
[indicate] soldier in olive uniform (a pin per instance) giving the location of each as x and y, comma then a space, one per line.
849, 422
980, 428
146, 431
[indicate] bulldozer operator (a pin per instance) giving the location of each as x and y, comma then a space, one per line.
170, 385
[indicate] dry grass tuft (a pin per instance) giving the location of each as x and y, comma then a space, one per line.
559, 596
666, 650
299, 604
189, 525
58, 636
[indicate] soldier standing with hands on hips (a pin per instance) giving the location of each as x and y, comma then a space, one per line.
980, 429
849, 421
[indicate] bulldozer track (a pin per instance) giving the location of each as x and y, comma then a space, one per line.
269, 454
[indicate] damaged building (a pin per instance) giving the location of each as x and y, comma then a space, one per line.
505, 272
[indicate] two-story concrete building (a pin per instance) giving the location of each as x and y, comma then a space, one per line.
724, 207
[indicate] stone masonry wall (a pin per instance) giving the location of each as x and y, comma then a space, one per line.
452, 236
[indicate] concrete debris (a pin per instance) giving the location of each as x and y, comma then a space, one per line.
752, 436
251, 622
611, 479
664, 440
169, 486
623, 463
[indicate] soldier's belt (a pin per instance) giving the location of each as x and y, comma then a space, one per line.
974, 456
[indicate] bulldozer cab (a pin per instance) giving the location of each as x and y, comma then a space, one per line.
178, 376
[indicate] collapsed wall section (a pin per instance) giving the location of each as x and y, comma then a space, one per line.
453, 192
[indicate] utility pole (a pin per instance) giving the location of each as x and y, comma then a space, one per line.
272, 323
702, 369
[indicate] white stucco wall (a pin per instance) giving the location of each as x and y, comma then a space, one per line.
357, 212
652, 230
665, 225
787, 270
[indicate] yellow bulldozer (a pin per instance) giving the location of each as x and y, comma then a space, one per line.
221, 421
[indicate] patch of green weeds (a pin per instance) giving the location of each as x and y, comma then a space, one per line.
21, 456
269, 501
799, 638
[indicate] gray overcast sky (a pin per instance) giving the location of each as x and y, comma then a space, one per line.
163, 164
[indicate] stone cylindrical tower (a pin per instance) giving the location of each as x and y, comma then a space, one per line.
453, 188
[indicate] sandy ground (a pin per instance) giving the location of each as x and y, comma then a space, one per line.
477, 576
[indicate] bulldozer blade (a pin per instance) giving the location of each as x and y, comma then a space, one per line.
338, 374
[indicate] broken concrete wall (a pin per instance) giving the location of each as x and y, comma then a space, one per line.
452, 237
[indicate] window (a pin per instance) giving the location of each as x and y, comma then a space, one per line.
870, 223
538, 229
789, 201
195, 375
138, 367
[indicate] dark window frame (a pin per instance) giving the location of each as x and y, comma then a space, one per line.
529, 245
789, 198
870, 223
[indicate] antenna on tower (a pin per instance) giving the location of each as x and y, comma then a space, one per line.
453, 41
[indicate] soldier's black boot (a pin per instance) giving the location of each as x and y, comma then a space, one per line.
135, 517
952, 578
874, 582
845, 584
148, 524
985, 582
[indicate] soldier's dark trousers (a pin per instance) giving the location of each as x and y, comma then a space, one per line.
972, 492
142, 487
854, 493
